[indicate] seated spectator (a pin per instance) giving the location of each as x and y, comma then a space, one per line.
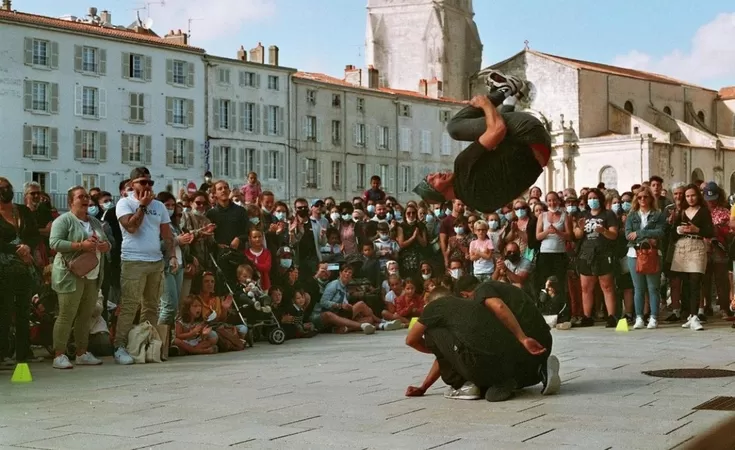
429, 286
446, 282
193, 336
410, 304
292, 318
427, 272
217, 309
370, 269
456, 268
260, 257
513, 268
553, 305
393, 289
332, 251
385, 247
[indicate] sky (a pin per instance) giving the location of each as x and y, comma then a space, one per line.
692, 41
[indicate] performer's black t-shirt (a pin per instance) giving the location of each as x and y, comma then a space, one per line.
486, 180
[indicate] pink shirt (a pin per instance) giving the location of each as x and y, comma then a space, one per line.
251, 192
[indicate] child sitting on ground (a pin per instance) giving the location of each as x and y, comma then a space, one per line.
193, 335
429, 286
395, 290
391, 268
410, 303
292, 320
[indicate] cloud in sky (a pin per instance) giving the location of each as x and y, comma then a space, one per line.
212, 19
712, 54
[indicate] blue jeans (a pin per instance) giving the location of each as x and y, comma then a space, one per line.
172, 283
641, 283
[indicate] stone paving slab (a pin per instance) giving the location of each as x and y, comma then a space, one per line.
346, 392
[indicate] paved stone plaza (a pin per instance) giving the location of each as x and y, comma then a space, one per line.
346, 392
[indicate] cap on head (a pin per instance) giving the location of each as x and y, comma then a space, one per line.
139, 172
711, 191
428, 193
318, 203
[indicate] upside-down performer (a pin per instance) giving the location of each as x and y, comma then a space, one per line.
508, 152
494, 341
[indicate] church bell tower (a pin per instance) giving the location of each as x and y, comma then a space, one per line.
413, 40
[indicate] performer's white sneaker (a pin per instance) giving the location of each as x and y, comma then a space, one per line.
550, 376
511, 85
467, 392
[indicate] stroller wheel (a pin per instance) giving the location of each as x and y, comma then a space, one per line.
277, 336
250, 338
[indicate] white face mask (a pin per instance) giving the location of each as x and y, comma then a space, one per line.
334, 217
425, 276
456, 273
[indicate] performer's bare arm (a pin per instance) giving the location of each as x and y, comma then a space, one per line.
415, 339
496, 129
506, 316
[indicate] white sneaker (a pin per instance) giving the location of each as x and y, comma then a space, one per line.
62, 362
652, 323
87, 359
551, 380
392, 325
467, 392
367, 328
122, 357
639, 323
688, 323
695, 324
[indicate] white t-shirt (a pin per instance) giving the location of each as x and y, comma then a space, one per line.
145, 244
390, 297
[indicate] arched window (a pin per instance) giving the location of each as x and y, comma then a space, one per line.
697, 175
629, 107
700, 115
609, 176
667, 110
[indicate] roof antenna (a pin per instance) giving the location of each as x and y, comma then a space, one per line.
188, 32
525, 44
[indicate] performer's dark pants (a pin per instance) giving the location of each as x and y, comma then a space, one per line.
458, 364
469, 124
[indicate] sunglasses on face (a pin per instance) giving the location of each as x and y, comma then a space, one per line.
145, 182
642, 197
34, 194
301, 208
200, 203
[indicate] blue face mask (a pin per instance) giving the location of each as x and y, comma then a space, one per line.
170, 212
493, 224
508, 216
572, 209
255, 220
346, 217
459, 230
593, 203
616, 207
627, 206
520, 213
280, 215
398, 216
286, 263
429, 218
107, 205
371, 209
389, 217
93, 210
383, 237
438, 212
447, 212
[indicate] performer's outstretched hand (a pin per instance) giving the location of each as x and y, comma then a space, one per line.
414, 391
480, 101
533, 346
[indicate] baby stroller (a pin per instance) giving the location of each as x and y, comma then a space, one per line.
260, 319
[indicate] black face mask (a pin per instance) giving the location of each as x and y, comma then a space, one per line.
513, 256
381, 216
6, 195
302, 212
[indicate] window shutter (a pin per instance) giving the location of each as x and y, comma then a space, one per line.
54, 103
241, 123
27, 141
355, 135
102, 66
27, 95
366, 132
257, 80
124, 148
304, 172
54, 143
319, 173
133, 106
102, 183
147, 155
280, 166
54, 55
409, 139
53, 182
148, 69
401, 177
189, 113
28, 51
233, 116
304, 127
190, 153
267, 165
169, 109
242, 156
103, 146
279, 123
102, 103
125, 65
266, 113
144, 103
319, 128
77, 58
78, 100
215, 113
169, 151
78, 145
256, 118
257, 162
216, 170
233, 163
78, 180
189, 74
169, 71
391, 178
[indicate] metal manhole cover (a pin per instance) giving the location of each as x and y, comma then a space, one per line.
690, 373
718, 404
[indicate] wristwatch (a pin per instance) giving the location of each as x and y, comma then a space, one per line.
143, 208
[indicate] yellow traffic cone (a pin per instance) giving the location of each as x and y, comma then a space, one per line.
622, 325
413, 321
22, 374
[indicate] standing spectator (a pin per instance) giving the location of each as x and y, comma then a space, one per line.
111, 281
145, 222
553, 230
306, 236
231, 221
173, 280
42, 214
446, 229
718, 261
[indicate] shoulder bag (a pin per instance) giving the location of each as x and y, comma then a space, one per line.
647, 260
83, 262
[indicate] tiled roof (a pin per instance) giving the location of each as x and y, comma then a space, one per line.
320, 77
727, 93
87, 28
614, 70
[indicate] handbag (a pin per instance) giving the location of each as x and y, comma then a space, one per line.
83, 263
647, 260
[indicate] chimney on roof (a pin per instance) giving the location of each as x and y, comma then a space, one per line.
106, 17
242, 54
353, 75
92, 11
435, 88
177, 37
257, 55
273, 55
373, 78
423, 87
7, 5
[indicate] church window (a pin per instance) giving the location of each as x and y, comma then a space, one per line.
609, 176
700, 116
629, 107
667, 110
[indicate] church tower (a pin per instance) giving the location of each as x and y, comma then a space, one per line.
413, 40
